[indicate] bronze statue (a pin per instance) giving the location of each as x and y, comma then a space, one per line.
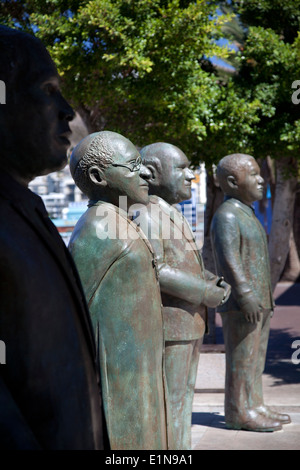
118, 272
241, 253
186, 287
49, 387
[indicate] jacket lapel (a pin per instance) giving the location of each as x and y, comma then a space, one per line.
182, 224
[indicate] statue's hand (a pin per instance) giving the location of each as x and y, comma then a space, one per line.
252, 309
214, 294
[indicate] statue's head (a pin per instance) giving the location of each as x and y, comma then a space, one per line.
170, 174
239, 177
106, 165
34, 122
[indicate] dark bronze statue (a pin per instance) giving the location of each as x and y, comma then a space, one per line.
49, 387
118, 271
186, 287
241, 253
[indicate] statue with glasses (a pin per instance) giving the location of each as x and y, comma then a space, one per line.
118, 271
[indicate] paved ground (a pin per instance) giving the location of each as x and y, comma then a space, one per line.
281, 382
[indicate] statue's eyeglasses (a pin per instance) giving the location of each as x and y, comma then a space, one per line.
134, 166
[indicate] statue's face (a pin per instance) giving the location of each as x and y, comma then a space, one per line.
39, 124
122, 181
250, 183
175, 184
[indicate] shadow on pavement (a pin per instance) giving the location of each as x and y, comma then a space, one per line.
214, 420
279, 362
290, 296
280, 356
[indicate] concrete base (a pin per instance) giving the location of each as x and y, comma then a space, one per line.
208, 424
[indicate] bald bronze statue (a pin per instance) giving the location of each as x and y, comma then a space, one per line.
50, 397
241, 253
118, 270
186, 287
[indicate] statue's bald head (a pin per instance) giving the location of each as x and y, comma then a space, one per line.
96, 149
170, 173
34, 126
21, 59
159, 154
231, 165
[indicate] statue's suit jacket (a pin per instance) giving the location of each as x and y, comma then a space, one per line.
118, 273
181, 270
49, 387
241, 253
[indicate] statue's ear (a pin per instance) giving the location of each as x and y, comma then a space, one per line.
232, 182
154, 169
96, 175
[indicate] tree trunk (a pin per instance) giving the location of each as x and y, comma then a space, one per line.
79, 130
92, 118
85, 115
291, 271
282, 218
214, 197
297, 218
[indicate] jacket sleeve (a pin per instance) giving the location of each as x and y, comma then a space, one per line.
226, 243
210, 276
15, 434
172, 281
181, 284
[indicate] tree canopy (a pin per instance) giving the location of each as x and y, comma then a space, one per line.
268, 64
136, 67
142, 68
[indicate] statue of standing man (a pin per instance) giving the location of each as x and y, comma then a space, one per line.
50, 397
186, 287
118, 271
241, 252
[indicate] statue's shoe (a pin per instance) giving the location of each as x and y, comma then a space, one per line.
266, 411
258, 424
